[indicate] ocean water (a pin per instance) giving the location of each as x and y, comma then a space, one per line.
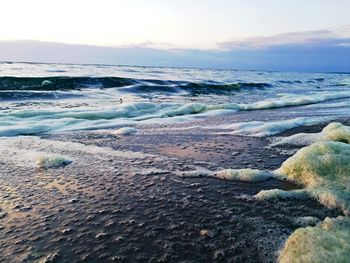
44, 98
105, 163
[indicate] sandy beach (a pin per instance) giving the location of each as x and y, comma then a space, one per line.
123, 199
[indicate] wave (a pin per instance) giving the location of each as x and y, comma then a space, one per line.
125, 84
204, 88
36, 121
261, 128
345, 82
149, 110
61, 83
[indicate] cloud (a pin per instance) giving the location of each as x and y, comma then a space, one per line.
339, 36
319, 51
148, 44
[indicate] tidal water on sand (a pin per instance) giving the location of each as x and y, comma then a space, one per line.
104, 163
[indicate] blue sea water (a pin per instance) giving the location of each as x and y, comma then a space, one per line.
41, 98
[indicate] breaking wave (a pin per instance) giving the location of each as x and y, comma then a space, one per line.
34, 121
126, 84
61, 83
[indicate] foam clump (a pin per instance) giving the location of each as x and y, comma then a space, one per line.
324, 168
260, 128
294, 100
334, 131
346, 82
246, 175
281, 194
299, 139
326, 242
45, 162
125, 131
192, 108
195, 173
46, 83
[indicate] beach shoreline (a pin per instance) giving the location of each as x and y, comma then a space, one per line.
121, 199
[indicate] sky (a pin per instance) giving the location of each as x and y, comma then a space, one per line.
246, 34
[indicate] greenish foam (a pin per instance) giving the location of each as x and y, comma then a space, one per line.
334, 131
45, 162
323, 168
326, 242
281, 194
246, 175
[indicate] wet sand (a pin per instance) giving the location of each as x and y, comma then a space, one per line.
107, 207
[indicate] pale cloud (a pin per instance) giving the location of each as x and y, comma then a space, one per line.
339, 36
148, 44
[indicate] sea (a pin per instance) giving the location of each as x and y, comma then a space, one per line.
45, 98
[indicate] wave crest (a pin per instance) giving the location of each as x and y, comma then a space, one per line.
126, 85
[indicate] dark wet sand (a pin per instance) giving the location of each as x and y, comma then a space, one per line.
139, 210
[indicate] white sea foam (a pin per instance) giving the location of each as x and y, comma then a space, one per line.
299, 139
281, 194
46, 83
30, 151
198, 172
125, 131
295, 100
332, 132
346, 82
246, 175
35, 121
260, 128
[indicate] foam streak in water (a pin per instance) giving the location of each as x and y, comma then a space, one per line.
38, 121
